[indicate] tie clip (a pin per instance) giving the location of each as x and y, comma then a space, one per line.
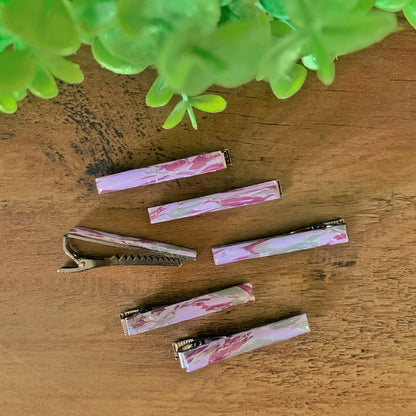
240, 197
196, 353
153, 253
317, 235
146, 319
182, 168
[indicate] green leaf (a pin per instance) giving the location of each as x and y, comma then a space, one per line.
5, 42
159, 93
240, 46
43, 24
275, 8
227, 16
310, 62
191, 115
391, 5
282, 55
85, 38
225, 2
164, 15
17, 69
410, 13
111, 62
363, 6
191, 61
210, 103
238, 10
176, 115
290, 83
65, 69
7, 103
6, 37
43, 84
184, 65
357, 32
19, 45
324, 60
279, 29
94, 16
331, 28
244, 10
19, 94
327, 73
140, 50
311, 13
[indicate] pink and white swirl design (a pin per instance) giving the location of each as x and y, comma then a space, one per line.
242, 342
280, 244
182, 168
248, 195
122, 240
189, 309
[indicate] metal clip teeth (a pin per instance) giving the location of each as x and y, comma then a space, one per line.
227, 157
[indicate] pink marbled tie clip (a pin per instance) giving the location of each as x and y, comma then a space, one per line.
197, 353
248, 195
323, 234
143, 320
182, 168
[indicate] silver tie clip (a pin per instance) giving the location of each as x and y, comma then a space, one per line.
154, 253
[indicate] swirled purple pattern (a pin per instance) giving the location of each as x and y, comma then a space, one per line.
248, 195
189, 309
280, 244
148, 245
242, 342
182, 168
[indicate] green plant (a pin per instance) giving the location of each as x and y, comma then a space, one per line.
193, 44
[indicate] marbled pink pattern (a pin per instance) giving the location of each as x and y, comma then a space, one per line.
242, 342
280, 244
123, 241
253, 194
189, 309
182, 168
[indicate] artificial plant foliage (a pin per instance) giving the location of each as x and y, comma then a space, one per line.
192, 44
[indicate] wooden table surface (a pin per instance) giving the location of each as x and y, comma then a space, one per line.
347, 150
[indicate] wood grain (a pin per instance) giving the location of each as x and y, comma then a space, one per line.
347, 150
